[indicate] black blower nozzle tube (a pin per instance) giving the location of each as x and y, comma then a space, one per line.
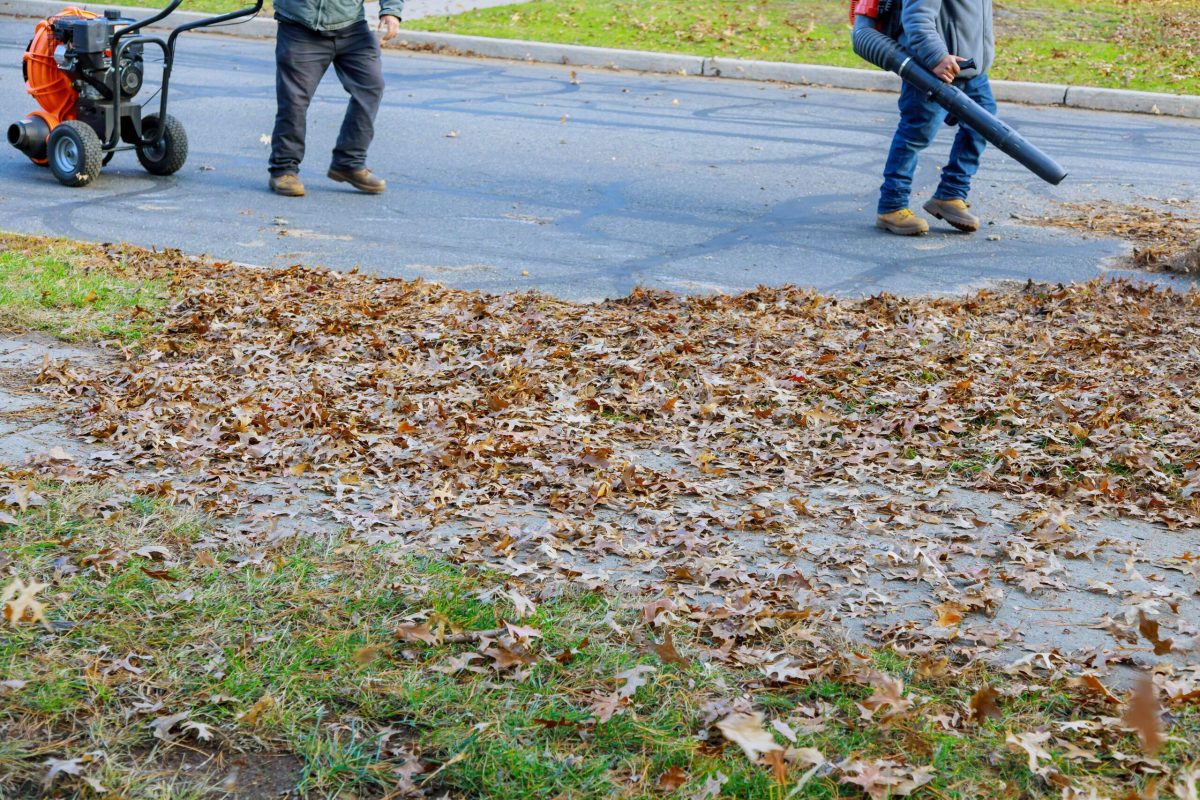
29, 136
885, 53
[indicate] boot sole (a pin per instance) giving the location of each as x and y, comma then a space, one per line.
883, 226
965, 227
288, 193
361, 187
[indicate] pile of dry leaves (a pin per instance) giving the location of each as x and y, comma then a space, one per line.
1162, 238
438, 399
647, 433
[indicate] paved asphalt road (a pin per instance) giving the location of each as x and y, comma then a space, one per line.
510, 176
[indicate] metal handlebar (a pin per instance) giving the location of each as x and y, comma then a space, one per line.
168, 47
137, 26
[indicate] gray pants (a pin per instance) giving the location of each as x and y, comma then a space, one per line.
302, 57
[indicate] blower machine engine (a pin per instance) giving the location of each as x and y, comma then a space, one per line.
85, 70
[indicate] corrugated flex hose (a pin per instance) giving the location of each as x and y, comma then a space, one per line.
885, 53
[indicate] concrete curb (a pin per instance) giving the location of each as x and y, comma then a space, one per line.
568, 54
803, 74
1042, 94
1171, 105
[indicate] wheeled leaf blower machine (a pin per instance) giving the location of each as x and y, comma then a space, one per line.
85, 70
874, 20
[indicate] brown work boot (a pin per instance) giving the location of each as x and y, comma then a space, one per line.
287, 185
955, 212
360, 179
902, 223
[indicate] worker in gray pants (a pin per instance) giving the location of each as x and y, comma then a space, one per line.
312, 35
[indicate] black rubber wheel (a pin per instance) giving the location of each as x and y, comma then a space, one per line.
74, 153
167, 155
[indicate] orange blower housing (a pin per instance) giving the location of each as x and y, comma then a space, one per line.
85, 70
50, 87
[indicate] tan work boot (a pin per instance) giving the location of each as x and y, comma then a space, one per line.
360, 179
287, 185
902, 223
955, 212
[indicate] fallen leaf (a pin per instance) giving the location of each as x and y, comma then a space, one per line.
633, 679
20, 604
1144, 714
671, 780
666, 651
414, 632
888, 694
746, 731
162, 726
1149, 629
1031, 743
203, 732
983, 704
712, 787
261, 706
784, 730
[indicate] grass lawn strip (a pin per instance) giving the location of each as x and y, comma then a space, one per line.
156, 646
59, 291
362, 666
1147, 45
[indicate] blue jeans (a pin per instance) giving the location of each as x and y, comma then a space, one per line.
920, 119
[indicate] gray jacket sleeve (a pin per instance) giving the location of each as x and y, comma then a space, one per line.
925, 43
391, 8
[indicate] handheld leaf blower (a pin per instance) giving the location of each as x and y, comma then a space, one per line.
84, 70
877, 47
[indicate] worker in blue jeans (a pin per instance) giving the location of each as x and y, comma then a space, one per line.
940, 34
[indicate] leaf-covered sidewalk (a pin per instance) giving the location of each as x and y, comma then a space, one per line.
652, 519
439, 401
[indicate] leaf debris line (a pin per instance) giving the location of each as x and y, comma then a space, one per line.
1165, 237
418, 402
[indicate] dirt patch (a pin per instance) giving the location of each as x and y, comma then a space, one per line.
1165, 237
240, 776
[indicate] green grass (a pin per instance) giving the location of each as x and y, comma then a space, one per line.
1151, 45
59, 291
312, 625
212, 6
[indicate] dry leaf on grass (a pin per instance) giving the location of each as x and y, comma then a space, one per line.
746, 731
74, 767
1031, 743
667, 653
712, 787
672, 779
20, 604
888, 696
633, 679
261, 706
416, 632
1144, 714
983, 704
884, 778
